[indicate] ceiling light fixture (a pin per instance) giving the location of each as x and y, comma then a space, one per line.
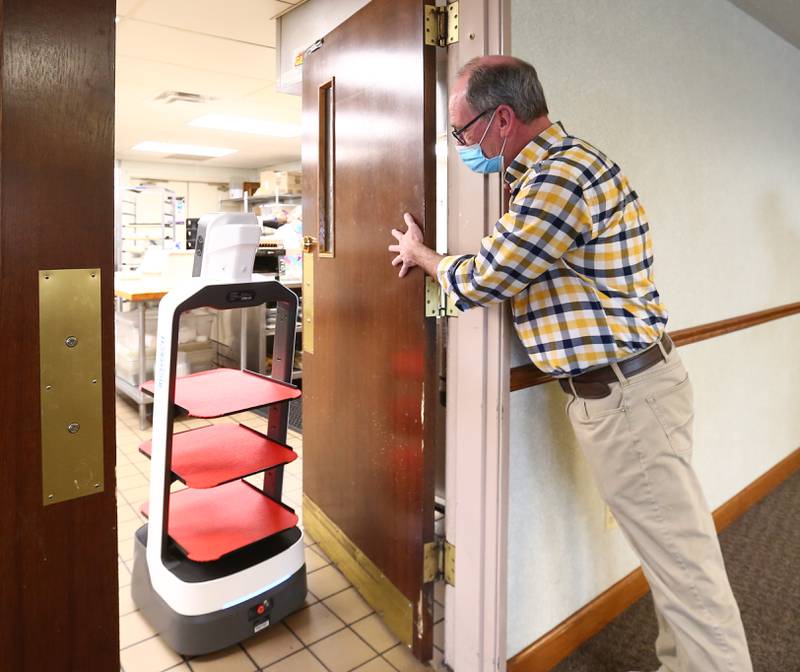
252, 125
172, 148
170, 97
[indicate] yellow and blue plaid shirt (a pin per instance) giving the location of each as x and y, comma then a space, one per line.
572, 254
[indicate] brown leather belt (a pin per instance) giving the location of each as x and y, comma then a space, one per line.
594, 384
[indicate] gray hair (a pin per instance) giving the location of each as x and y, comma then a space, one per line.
513, 83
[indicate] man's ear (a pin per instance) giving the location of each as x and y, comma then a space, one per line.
505, 118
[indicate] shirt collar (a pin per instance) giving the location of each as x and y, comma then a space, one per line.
534, 152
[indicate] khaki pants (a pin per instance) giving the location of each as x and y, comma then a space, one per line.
638, 442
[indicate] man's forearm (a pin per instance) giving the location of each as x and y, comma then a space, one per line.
427, 259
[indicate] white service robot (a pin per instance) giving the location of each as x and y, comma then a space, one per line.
230, 562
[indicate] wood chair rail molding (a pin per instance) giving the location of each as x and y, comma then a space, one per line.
528, 375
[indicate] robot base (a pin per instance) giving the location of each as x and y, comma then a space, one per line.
206, 633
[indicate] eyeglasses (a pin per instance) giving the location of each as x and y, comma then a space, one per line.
458, 133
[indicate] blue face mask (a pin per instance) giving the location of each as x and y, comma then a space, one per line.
474, 158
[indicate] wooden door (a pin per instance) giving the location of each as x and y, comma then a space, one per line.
58, 547
371, 405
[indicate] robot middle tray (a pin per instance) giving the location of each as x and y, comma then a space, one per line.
218, 392
209, 456
208, 524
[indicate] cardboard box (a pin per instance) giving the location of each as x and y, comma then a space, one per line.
282, 182
294, 179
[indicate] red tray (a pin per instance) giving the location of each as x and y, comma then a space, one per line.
209, 456
208, 524
211, 394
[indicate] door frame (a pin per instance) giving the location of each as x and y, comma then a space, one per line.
478, 395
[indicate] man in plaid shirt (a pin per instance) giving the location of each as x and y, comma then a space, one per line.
574, 258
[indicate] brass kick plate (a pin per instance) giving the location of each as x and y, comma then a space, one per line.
308, 302
70, 358
381, 594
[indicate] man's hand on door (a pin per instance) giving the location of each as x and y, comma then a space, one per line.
411, 251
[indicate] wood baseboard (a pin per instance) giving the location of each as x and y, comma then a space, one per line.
756, 491
566, 637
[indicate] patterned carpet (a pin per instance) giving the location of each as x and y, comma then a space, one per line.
762, 554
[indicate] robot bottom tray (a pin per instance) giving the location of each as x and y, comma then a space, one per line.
208, 524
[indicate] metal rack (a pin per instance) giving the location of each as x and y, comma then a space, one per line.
278, 200
160, 233
141, 298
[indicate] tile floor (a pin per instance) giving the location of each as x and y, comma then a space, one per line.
336, 632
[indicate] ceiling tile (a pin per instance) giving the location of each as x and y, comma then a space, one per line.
137, 121
127, 7
200, 52
152, 59
268, 103
151, 77
246, 20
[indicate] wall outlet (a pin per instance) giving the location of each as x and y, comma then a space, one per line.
611, 522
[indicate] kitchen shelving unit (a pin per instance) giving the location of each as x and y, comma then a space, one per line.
145, 226
278, 200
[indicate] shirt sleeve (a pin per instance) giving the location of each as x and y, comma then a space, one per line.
545, 218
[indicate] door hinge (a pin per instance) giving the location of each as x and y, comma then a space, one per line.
441, 24
437, 302
449, 563
440, 562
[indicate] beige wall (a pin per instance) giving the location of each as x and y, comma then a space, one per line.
699, 105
